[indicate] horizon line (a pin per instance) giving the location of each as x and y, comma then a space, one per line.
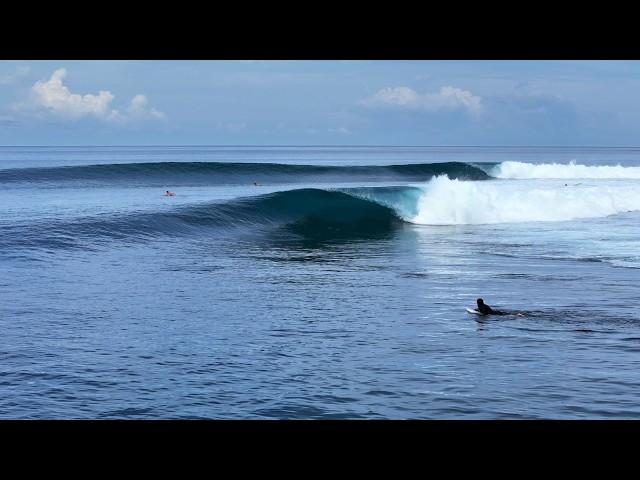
326, 145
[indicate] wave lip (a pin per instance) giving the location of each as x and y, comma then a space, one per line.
522, 170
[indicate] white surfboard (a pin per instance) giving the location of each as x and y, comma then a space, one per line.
475, 312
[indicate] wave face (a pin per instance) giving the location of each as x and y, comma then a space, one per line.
521, 170
307, 213
219, 173
452, 202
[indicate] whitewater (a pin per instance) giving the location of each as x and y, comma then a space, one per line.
453, 202
570, 170
318, 282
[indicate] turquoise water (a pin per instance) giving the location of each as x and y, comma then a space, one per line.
335, 288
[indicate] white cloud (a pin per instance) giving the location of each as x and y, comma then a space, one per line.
137, 110
448, 98
53, 96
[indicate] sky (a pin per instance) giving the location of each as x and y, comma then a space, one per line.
511, 103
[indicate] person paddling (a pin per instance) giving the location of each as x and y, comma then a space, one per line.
485, 309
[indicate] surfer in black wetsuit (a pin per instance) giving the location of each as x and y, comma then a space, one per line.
485, 309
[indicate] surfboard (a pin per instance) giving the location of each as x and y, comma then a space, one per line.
476, 312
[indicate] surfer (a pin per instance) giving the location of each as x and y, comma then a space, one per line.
485, 309
256, 184
169, 194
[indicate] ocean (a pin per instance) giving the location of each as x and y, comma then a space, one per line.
319, 282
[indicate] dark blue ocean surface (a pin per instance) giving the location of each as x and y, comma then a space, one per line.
334, 288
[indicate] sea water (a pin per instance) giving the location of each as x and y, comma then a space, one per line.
319, 282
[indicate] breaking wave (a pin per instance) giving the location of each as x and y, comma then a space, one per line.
338, 213
452, 202
521, 170
307, 213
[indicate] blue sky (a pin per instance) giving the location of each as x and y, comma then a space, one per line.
320, 103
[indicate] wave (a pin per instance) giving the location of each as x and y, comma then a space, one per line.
220, 173
171, 174
444, 201
521, 170
304, 213
339, 213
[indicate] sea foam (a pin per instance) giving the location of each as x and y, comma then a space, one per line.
522, 170
453, 202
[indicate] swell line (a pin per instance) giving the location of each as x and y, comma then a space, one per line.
221, 173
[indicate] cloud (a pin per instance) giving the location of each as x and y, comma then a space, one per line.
448, 98
53, 96
20, 71
137, 110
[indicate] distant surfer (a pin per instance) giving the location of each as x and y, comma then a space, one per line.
485, 309
256, 184
169, 194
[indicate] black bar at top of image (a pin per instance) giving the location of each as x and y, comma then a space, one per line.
384, 32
